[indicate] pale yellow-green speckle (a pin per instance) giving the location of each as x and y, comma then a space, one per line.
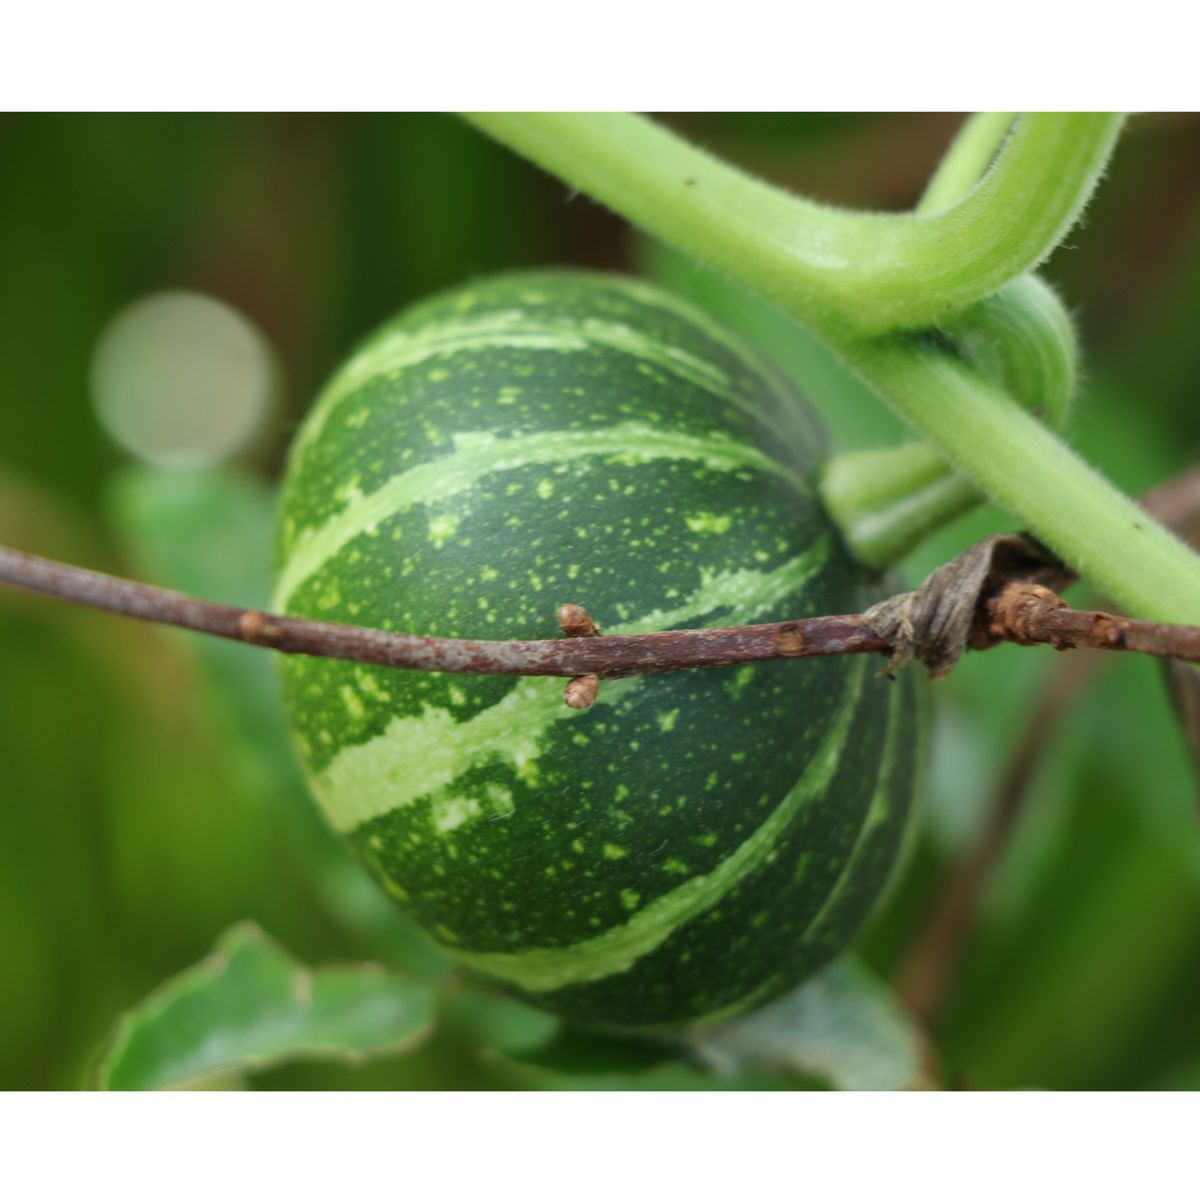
353, 704
442, 527
707, 522
450, 813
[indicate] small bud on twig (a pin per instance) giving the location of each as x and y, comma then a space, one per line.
581, 691
575, 621
253, 626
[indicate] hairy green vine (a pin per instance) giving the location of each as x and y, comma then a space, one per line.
849, 274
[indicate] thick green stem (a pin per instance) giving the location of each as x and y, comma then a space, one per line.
1026, 468
845, 273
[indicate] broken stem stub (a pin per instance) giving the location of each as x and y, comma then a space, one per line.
937, 621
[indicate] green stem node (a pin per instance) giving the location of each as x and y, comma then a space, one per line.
1023, 339
887, 501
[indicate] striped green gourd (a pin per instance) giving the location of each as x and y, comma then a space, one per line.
692, 844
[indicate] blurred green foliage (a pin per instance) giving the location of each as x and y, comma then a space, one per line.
147, 799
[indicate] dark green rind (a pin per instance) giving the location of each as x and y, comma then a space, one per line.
788, 920
670, 774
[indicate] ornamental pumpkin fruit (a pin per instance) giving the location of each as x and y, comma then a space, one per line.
692, 844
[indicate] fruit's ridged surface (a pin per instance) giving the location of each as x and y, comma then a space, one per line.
694, 842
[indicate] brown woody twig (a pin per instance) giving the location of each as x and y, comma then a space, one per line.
1016, 612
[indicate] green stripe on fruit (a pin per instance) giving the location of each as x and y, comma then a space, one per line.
478, 454
617, 949
418, 756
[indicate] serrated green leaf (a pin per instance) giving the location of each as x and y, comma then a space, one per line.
571, 1059
667, 1077
843, 1030
531, 1049
251, 1005
843, 1027
578, 1061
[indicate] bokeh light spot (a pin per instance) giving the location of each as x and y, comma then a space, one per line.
182, 380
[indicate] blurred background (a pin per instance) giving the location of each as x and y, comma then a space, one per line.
173, 292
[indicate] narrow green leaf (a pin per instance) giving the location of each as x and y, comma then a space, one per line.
209, 533
843, 1027
251, 1005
